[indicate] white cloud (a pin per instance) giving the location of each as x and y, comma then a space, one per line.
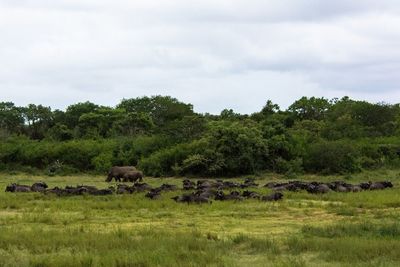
214, 54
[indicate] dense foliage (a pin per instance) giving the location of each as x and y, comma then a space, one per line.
164, 136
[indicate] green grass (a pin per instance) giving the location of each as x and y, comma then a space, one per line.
336, 229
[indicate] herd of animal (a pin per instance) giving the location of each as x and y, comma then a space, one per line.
67, 191
205, 191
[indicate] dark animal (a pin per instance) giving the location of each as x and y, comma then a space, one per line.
168, 187
228, 184
380, 185
273, 197
183, 198
271, 184
74, 191
191, 198
234, 195
56, 190
88, 188
39, 187
316, 188
365, 186
125, 189
206, 193
188, 185
141, 187
250, 194
101, 192
118, 172
206, 184
18, 188
355, 188
133, 176
154, 193
248, 182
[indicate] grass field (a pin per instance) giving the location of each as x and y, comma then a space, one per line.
335, 229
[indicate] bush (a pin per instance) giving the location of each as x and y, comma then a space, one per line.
194, 164
129, 151
229, 149
103, 162
289, 167
236, 148
58, 168
169, 160
332, 157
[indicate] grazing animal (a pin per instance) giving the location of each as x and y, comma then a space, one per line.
18, 188
132, 176
191, 198
70, 190
341, 188
273, 197
365, 186
117, 172
355, 188
204, 184
39, 187
315, 188
88, 188
56, 190
125, 189
188, 185
141, 187
154, 193
270, 184
248, 182
229, 185
207, 193
101, 192
183, 198
234, 195
168, 187
380, 185
251, 194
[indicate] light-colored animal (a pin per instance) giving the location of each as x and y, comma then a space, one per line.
118, 172
133, 176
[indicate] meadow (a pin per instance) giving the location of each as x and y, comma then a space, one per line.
334, 229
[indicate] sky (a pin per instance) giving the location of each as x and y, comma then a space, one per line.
214, 54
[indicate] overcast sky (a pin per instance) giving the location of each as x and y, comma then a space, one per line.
214, 54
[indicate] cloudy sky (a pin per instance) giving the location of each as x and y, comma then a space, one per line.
214, 54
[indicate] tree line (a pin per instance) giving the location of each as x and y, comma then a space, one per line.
164, 136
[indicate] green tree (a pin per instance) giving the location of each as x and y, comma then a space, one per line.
186, 129
236, 148
74, 112
162, 109
332, 157
38, 119
229, 114
60, 132
134, 123
312, 108
11, 118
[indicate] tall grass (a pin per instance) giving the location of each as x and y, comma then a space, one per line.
38, 247
335, 229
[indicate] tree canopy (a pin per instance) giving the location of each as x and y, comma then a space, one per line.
165, 136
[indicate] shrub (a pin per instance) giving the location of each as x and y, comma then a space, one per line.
195, 164
236, 148
103, 162
332, 157
231, 148
165, 161
289, 167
